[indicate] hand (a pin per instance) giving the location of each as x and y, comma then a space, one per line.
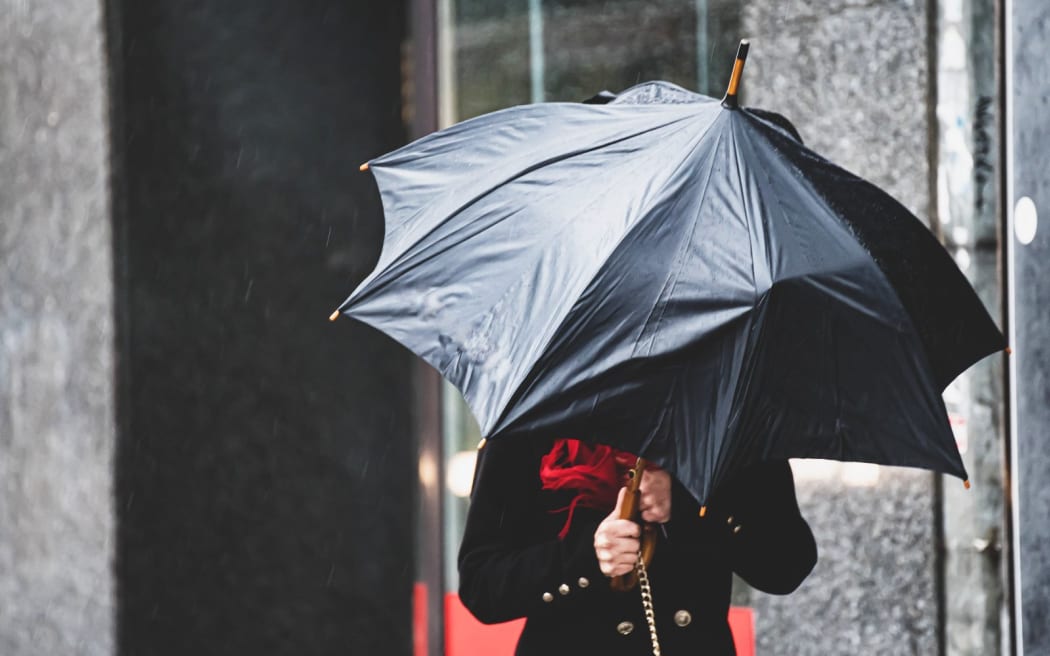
616, 542
655, 490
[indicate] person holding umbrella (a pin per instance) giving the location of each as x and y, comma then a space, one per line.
547, 538
678, 279
544, 540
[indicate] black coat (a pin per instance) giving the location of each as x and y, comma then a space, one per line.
512, 563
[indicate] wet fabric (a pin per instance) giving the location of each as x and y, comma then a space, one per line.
676, 279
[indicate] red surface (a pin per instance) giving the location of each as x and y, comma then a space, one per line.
742, 624
465, 636
419, 619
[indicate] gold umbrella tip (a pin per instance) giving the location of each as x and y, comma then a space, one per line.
363, 167
1009, 351
966, 484
730, 99
333, 316
703, 510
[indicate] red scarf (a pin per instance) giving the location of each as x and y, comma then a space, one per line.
595, 471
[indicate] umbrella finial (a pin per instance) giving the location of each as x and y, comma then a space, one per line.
730, 100
363, 167
333, 316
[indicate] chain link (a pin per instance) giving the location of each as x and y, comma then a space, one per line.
647, 605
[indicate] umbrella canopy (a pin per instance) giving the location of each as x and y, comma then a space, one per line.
673, 277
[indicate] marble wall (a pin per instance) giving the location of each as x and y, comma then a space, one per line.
1028, 161
57, 429
854, 78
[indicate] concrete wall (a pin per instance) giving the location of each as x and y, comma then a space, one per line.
1028, 160
854, 78
57, 430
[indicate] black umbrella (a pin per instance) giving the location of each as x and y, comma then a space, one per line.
676, 277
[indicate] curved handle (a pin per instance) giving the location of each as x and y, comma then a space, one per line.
630, 509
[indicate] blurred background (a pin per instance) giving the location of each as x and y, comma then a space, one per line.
194, 461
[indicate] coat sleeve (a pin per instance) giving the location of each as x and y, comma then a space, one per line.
507, 567
770, 544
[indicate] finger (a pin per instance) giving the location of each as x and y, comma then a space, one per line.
616, 570
621, 547
627, 561
655, 505
619, 502
620, 542
656, 515
614, 529
618, 566
657, 481
621, 528
620, 570
621, 566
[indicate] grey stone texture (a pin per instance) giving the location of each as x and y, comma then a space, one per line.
853, 77
57, 429
1029, 162
873, 589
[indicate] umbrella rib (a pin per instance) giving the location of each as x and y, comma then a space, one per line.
673, 278
518, 391
406, 262
386, 276
734, 411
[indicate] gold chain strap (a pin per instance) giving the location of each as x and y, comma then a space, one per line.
647, 605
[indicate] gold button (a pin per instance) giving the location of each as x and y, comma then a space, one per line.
683, 618
583, 582
563, 589
730, 520
625, 628
736, 529
548, 597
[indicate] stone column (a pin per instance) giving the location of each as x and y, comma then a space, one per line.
854, 78
1028, 246
57, 413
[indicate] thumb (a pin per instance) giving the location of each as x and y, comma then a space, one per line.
619, 503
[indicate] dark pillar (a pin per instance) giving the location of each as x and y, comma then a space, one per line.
1028, 160
265, 464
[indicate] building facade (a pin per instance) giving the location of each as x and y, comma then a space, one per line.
194, 461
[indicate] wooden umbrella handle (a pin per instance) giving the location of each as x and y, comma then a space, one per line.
631, 509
